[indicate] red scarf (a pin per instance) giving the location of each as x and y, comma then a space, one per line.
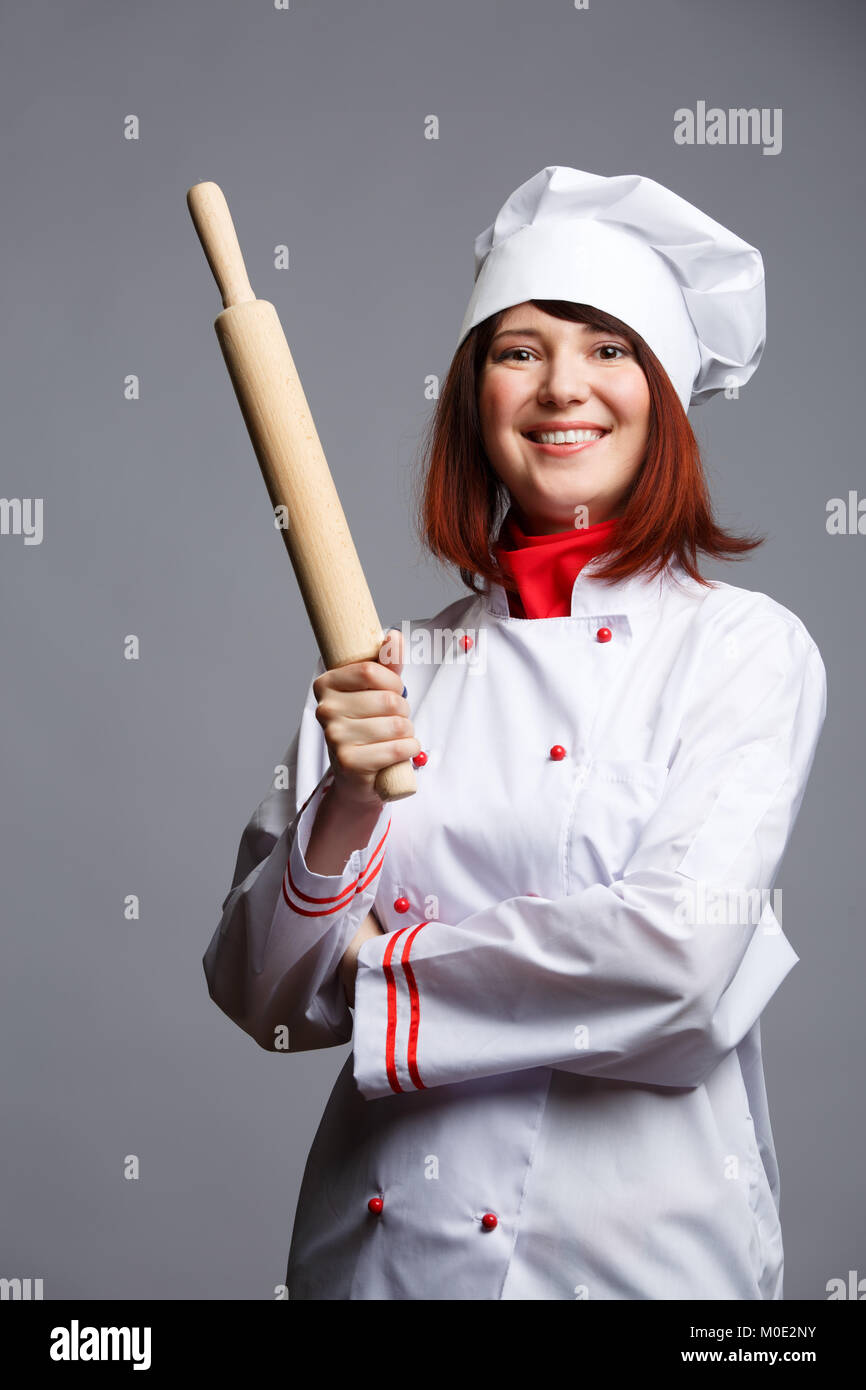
544, 568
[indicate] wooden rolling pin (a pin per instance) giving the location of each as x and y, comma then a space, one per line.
332, 583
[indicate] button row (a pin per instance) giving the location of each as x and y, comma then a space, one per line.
603, 634
489, 1222
557, 753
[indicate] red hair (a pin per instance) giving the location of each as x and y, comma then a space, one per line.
668, 512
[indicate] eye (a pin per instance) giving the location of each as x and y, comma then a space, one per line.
503, 357
615, 347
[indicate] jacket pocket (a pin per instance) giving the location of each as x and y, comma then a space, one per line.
613, 800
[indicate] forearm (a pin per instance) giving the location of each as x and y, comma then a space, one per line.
339, 828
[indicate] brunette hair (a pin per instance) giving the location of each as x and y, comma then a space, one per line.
668, 512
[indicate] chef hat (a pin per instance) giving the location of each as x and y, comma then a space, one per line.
630, 247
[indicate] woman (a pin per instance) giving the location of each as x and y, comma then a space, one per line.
557, 951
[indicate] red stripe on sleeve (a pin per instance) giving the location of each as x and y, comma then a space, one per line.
340, 900
414, 1010
391, 1030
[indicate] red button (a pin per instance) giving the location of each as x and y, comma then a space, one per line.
489, 1221
604, 634
557, 752
401, 904
419, 760
466, 642
375, 1205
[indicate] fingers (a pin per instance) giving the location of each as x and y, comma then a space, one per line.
359, 675
360, 703
372, 728
362, 759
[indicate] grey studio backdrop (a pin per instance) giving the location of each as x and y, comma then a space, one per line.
137, 776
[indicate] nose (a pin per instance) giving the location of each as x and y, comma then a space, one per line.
565, 379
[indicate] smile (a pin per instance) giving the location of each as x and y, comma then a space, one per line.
564, 441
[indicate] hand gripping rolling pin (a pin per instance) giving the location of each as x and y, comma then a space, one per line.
296, 473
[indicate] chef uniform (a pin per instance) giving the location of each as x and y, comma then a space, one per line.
556, 1087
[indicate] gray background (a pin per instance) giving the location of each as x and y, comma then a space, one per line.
138, 777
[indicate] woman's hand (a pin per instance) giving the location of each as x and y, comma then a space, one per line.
349, 964
365, 721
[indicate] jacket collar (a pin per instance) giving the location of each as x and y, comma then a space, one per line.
592, 597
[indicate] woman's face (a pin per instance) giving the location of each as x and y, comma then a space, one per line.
544, 373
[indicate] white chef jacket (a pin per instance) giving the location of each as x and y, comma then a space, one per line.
556, 1088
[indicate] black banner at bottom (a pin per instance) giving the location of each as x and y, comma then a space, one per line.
252, 1337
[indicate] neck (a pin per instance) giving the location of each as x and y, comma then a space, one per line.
536, 528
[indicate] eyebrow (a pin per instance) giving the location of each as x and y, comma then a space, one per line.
534, 333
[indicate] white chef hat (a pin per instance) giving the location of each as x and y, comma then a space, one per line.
630, 247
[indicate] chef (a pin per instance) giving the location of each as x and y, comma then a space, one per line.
553, 959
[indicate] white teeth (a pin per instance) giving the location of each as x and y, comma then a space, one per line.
566, 436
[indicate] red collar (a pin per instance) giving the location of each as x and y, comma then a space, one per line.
544, 568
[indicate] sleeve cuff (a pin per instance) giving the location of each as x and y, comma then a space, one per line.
386, 1016
324, 895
